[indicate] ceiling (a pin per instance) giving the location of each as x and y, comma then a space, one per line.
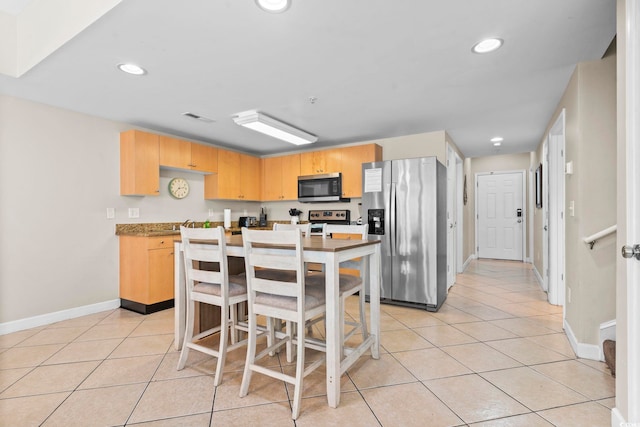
376, 68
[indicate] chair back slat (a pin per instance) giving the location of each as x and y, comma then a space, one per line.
362, 230
255, 243
305, 228
204, 245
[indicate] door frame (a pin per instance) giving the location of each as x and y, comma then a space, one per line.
525, 214
557, 217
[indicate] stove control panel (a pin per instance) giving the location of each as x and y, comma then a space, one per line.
340, 215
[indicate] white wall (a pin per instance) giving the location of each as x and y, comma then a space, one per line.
59, 172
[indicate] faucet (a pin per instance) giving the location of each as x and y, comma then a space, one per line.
187, 222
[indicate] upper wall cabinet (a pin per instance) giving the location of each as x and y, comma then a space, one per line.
352, 159
319, 162
139, 164
238, 177
280, 178
177, 153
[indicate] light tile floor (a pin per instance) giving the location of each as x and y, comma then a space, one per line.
494, 355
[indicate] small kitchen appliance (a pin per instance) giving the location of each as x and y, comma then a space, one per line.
248, 221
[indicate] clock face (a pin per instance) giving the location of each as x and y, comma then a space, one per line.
179, 188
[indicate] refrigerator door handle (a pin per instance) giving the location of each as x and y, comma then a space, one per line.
392, 223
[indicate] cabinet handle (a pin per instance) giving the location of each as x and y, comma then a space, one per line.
162, 242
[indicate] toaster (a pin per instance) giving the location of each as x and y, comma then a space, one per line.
248, 221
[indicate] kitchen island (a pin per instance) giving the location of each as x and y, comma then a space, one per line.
330, 252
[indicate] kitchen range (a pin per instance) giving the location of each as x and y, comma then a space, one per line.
319, 217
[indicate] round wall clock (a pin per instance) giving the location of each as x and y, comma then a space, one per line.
179, 188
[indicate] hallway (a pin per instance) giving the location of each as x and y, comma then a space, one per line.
494, 355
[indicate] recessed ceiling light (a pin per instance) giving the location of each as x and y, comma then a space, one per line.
273, 6
132, 69
497, 139
487, 45
497, 144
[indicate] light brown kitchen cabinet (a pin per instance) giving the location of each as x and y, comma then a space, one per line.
250, 174
320, 162
177, 153
280, 177
139, 164
352, 159
146, 273
238, 177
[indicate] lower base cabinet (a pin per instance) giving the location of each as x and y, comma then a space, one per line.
146, 273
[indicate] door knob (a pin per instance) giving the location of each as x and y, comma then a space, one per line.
519, 221
546, 228
629, 251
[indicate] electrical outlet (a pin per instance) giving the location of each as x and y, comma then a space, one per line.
134, 212
572, 208
111, 213
210, 213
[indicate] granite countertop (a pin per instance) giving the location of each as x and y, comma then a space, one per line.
167, 228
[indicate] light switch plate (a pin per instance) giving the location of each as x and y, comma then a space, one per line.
134, 212
568, 168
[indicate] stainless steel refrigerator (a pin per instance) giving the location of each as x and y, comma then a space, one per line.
405, 204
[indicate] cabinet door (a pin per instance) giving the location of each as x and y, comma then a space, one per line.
320, 162
250, 177
160, 275
290, 172
175, 153
272, 171
228, 175
139, 164
204, 158
352, 160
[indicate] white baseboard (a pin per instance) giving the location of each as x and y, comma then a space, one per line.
538, 277
466, 263
57, 316
582, 350
617, 419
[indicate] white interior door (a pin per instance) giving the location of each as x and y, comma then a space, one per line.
556, 215
451, 217
545, 215
460, 211
627, 411
500, 215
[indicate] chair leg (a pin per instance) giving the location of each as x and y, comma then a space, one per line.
363, 314
234, 321
188, 335
222, 351
297, 394
290, 327
251, 354
271, 334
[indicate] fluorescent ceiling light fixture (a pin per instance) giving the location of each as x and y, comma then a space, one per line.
132, 69
273, 6
497, 144
274, 128
497, 139
487, 45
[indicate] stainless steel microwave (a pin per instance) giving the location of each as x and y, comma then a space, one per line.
320, 188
